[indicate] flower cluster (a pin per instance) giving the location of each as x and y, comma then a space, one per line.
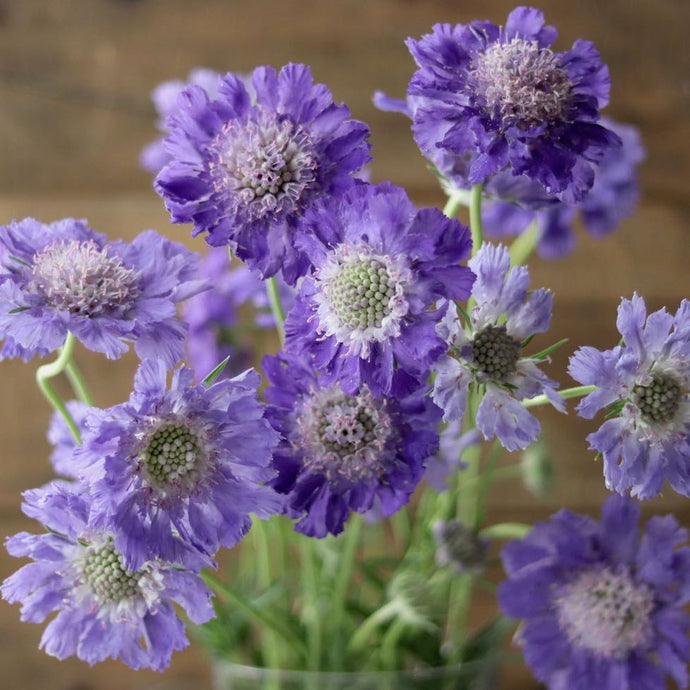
402, 344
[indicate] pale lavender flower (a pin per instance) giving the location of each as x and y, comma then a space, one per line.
644, 384
486, 351
602, 606
104, 609
65, 278
175, 473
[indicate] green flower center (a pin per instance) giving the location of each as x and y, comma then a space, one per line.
171, 455
104, 572
658, 402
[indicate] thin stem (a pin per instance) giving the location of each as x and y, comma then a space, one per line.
456, 199
346, 564
48, 371
253, 613
78, 384
566, 394
276, 307
506, 530
524, 244
487, 478
311, 609
476, 217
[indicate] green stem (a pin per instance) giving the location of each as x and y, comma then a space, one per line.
48, 371
252, 613
312, 610
487, 477
369, 625
346, 564
456, 199
78, 384
566, 394
510, 472
276, 307
476, 217
524, 244
506, 530
389, 645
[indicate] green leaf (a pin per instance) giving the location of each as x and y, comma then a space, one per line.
210, 378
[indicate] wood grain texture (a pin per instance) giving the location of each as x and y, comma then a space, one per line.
74, 82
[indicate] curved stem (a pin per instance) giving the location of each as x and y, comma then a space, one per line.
476, 217
276, 307
49, 371
566, 394
78, 384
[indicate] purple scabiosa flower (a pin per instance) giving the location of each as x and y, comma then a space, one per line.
216, 325
603, 606
246, 169
344, 452
154, 156
104, 609
501, 97
611, 199
486, 352
176, 472
382, 268
644, 384
65, 278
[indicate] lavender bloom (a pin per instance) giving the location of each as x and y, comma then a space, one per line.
342, 453
381, 268
644, 384
104, 609
213, 316
176, 473
611, 199
502, 98
487, 351
602, 606
245, 170
64, 277
154, 156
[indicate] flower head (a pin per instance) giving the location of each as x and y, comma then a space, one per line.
458, 547
215, 318
502, 98
175, 473
602, 606
486, 352
381, 269
65, 278
645, 386
344, 452
104, 609
246, 169
154, 156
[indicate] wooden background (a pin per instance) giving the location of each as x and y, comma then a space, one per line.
74, 113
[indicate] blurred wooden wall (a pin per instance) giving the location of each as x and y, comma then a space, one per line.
75, 76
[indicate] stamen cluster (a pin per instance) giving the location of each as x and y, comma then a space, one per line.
658, 401
171, 454
495, 353
104, 572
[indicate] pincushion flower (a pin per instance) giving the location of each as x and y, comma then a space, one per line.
644, 384
104, 609
175, 473
216, 325
344, 453
245, 170
486, 351
65, 278
611, 199
154, 156
602, 605
382, 269
501, 97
